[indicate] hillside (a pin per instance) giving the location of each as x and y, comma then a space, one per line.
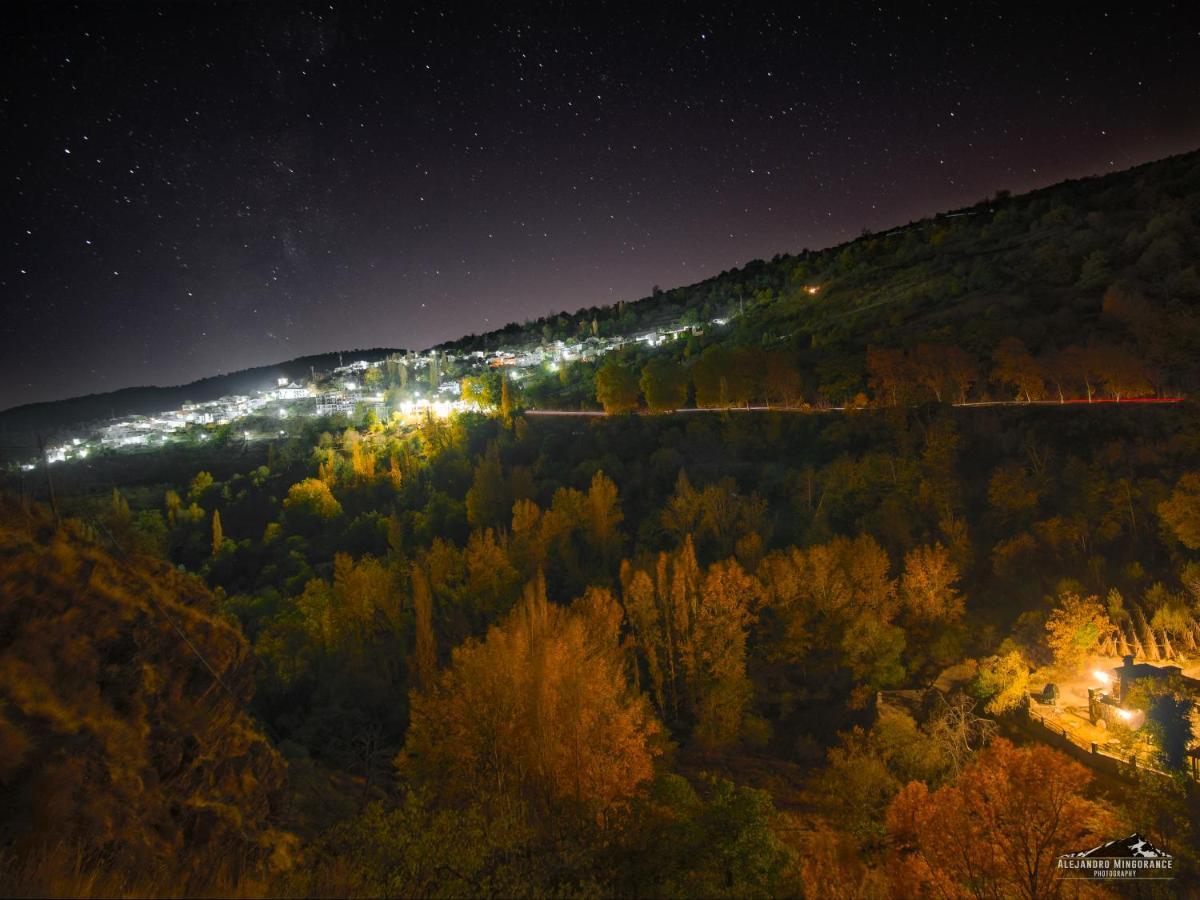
1109, 258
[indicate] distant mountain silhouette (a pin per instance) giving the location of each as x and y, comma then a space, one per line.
1134, 845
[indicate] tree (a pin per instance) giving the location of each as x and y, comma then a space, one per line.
742, 375
929, 369
616, 388
996, 830
474, 390
645, 619
721, 687
539, 712
961, 371
1076, 628
173, 504
927, 586
1122, 372
200, 484
781, 379
603, 516
425, 650
709, 375
889, 374
1079, 364
1016, 366
1095, 272
217, 536
1169, 705
1181, 511
488, 500
506, 401
664, 384
313, 497
1004, 682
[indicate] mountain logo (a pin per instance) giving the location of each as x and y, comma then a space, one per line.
1132, 857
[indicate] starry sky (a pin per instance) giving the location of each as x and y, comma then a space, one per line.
197, 188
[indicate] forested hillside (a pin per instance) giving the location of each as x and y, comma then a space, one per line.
1110, 260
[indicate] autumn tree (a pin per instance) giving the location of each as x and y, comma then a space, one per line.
1016, 367
661, 606
961, 371
488, 501
425, 651
217, 535
473, 390
1003, 681
124, 722
664, 384
616, 387
1078, 366
1122, 372
997, 829
927, 587
172, 503
199, 485
506, 399
1077, 627
312, 497
837, 599
742, 376
710, 378
602, 516
722, 690
540, 711
928, 365
645, 617
889, 374
1180, 512
781, 380
717, 516
491, 584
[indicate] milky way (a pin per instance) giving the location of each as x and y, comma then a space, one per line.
197, 188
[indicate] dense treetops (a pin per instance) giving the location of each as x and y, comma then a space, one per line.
118, 745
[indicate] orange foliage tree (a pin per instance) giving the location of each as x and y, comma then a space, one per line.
539, 712
996, 830
927, 587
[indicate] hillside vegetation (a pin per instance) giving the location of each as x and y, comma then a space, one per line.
1109, 260
125, 747
740, 653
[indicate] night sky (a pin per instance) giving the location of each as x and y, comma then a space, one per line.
197, 188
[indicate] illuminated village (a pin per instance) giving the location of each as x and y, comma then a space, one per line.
403, 387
